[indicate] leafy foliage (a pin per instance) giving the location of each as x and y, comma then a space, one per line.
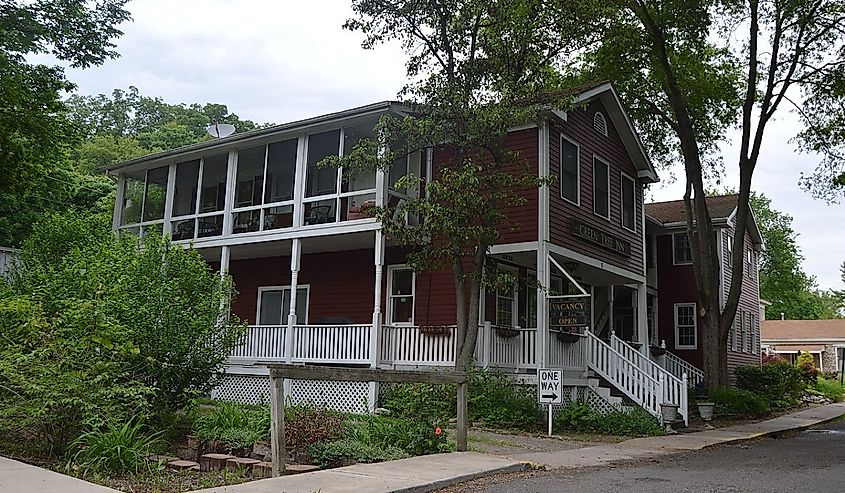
98, 329
414, 437
738, 402
778, 382
807, 366
116, 449
305, 426
635, 422
236, 426
346, 451
831, 389
494, 399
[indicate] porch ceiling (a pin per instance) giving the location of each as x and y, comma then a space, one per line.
281, 248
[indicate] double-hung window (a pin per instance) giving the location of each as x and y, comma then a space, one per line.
569, 171
730, 248
400, 303
629, 194
274, 305
681, 251
601, 188
746, 342
685, 326
506, 305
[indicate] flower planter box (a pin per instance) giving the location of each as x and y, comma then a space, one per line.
435, 330
567, 337
657, 350
507, 332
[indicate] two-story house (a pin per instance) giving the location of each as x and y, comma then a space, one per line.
671, 276
319, 283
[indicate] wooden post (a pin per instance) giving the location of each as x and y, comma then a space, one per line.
462, 417
277, 424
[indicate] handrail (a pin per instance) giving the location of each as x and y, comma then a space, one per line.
678, 366
624, 374
674, 388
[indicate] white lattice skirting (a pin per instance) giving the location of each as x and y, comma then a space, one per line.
350, 397
573, 394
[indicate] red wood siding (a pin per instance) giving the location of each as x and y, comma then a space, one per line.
579, 129
341, 284
520, 223
676, 284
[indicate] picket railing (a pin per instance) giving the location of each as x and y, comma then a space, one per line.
674, 388
498, 348
311, 343
678, 367
408, 345
567, 355
624, 374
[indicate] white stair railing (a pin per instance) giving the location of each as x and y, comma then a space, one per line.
674, 388
624, 374
676, 366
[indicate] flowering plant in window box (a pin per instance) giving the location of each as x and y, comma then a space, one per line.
568, 336
435, 330
507, 332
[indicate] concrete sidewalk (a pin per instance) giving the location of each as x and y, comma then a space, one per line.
672, 444
17, 477
417, 475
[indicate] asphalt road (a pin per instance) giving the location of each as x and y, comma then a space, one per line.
809, 462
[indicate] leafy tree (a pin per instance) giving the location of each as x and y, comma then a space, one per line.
162, 302
476, 68
783, 282
690, 70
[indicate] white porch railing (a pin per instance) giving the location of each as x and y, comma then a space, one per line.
624, 374
567, 355
311, 343
408, 345
674, 388
497, 348
678, 367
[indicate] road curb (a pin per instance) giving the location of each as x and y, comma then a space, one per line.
443, 483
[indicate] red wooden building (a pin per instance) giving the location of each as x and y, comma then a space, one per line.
319, 283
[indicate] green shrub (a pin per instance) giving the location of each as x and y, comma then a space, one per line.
738, 402
419, 400
305, 426
633, 422
340, 452
778, 382
831, 389
235, 425
414, 437
114, 450
494, 399
807, 366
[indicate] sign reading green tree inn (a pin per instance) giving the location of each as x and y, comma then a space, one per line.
599, 237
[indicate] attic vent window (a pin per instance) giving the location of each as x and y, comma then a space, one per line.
599, 123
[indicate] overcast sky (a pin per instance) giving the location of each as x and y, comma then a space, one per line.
278, 61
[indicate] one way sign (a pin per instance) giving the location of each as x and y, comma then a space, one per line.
550, 390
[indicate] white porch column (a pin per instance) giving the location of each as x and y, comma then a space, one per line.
375, 331
118, 201
295, 254
544, 278
610, 301
225, 254
642, 318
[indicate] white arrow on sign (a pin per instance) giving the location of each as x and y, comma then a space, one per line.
550, 387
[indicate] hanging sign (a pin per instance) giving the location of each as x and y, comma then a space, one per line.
568, 313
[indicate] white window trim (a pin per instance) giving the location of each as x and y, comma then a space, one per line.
261, 289
606, 163
577, 202
730, 248
674, 259
390, 270
622, 177
515, 302
695, 325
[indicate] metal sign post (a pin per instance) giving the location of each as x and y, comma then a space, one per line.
550, 390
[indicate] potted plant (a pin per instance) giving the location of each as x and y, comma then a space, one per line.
705, 410
668, 414
657, 350
567, 337
435, 330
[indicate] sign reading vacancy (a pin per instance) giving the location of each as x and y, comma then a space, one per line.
601, 238
550, 388
567, 313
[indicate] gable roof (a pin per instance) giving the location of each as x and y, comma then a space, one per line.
802, 330
671, 214
721, 208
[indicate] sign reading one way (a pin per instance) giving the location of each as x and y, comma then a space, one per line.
550, 390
